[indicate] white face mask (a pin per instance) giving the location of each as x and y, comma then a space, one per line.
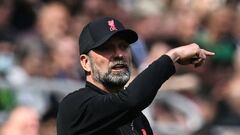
6, 62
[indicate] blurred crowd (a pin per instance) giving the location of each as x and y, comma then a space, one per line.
39, 61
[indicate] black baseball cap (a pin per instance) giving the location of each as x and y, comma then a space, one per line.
97, 32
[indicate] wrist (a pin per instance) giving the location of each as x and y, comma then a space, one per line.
173, 55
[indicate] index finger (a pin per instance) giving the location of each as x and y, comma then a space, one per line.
208, 53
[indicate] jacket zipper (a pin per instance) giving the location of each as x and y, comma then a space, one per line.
132, 127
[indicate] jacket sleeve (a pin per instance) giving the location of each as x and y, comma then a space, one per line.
99, 112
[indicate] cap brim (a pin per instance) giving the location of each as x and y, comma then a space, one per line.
128, 35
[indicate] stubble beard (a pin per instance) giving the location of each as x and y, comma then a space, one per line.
113, 81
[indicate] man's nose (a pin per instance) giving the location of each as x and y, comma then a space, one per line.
119, 52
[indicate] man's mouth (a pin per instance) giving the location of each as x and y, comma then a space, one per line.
119, 67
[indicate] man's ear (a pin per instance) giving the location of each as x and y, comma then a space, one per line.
85, 62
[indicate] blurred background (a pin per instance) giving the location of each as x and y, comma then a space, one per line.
39, 61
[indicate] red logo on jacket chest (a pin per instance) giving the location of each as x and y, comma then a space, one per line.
144, 131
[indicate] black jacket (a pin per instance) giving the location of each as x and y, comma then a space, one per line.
91, 111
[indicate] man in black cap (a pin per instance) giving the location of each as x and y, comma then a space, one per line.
104, 106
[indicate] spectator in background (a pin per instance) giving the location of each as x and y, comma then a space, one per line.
53, 22
21, 77
217, 36
77, 23
98, 8
187, 26
93, 8
28, 65
6, 9
22, 121
63, 61
7, 37
149, 27
204, 7
227, 118
7, 57
228, 107
236, 29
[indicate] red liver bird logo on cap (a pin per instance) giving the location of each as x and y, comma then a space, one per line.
111, 25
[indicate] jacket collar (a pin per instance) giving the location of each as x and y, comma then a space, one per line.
95, 88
